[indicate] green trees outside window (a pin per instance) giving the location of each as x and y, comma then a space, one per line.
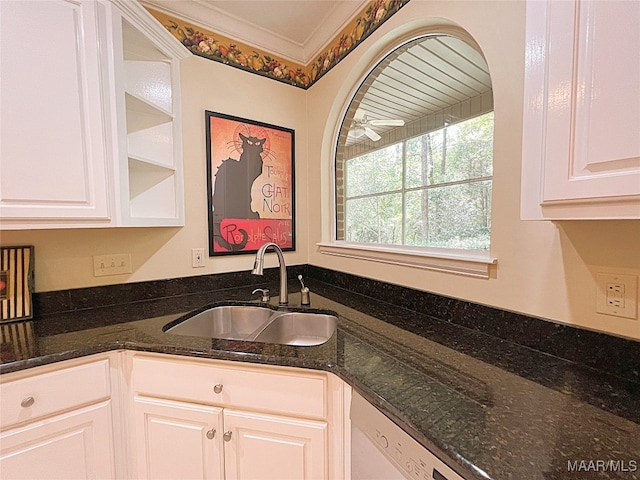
433, 190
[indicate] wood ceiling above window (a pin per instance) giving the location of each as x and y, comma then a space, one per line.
426, 77
427, 83
230, 51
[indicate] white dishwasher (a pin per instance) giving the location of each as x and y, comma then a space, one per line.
380, 450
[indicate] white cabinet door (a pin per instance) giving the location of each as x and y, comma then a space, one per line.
581, 138
271, 422
177, 440
53, 150
74, 445
269, 447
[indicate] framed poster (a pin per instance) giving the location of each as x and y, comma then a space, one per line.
250, 184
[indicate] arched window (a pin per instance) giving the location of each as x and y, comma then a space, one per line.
414, 159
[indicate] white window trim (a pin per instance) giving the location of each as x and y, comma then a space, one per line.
472, 263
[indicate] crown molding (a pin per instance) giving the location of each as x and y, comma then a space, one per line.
147, 23
213, 19
327, 31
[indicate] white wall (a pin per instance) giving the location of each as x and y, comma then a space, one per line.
544, 269
63, 258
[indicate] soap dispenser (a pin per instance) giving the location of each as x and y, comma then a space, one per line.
304, 293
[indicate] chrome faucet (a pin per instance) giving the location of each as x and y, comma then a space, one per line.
258, 266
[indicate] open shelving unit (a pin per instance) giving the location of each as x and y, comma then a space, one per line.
149, 118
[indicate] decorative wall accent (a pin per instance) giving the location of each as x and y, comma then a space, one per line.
250, 184
225, 50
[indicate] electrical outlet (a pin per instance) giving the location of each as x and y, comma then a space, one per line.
197, 257
617, 295
112, 264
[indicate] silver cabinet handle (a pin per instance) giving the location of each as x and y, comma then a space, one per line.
227, 436
27, 401
211, 434
218, 388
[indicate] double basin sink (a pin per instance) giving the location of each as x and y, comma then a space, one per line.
257, 323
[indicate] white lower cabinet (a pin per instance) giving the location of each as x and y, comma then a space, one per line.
270, 447
73, 445
212, 420
56, 422
153, 416
177, 440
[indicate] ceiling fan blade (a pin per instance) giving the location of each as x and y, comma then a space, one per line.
386, 123
371, 134
360, 115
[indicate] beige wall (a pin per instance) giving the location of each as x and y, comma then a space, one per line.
544, 269
63, 258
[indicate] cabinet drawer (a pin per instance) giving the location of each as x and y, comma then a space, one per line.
268, 389
47, 393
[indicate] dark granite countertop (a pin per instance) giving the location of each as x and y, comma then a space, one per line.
489, 408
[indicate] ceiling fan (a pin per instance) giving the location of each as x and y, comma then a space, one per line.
361, 125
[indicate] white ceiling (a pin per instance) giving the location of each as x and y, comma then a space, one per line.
294, 29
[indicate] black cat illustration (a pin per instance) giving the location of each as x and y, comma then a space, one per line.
232, 191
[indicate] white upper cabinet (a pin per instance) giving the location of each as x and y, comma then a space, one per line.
90, 116
53, 151
581, 131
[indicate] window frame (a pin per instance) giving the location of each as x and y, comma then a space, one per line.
473, 263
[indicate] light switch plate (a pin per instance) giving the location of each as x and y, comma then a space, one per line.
112, 264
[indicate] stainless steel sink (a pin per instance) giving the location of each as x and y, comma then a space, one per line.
299, 328
259, 324
232, 322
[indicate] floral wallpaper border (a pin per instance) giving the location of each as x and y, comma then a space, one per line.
236, 54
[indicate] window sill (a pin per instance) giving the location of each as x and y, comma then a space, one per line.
461, 262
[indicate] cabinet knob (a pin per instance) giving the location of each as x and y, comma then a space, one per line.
211, 434
218, 388
27, 401
227, 436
